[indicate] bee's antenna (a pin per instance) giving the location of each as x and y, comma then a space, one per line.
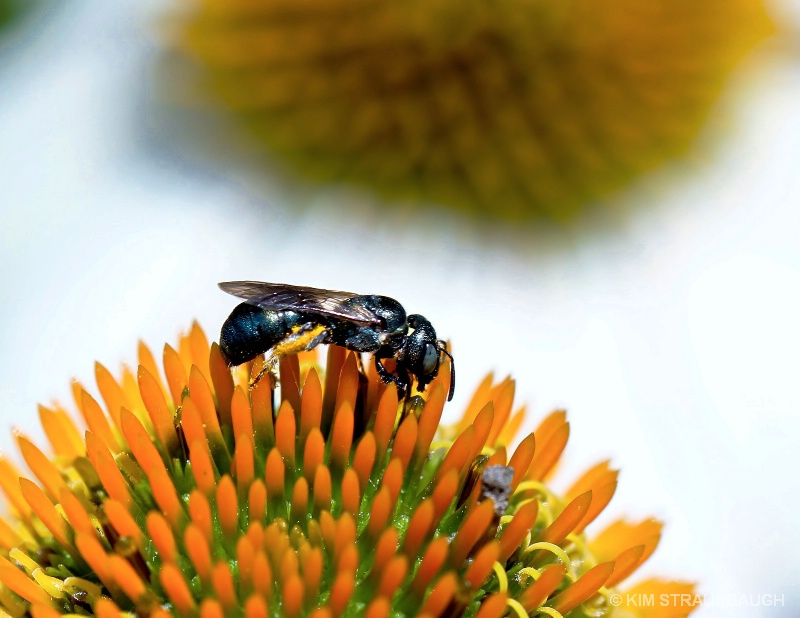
442, 345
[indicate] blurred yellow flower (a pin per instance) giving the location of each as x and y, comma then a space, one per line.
192, 495
510, 108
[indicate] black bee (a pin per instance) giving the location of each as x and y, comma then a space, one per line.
284, 319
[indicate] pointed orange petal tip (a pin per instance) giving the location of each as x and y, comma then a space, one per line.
482, 564
127, 578
522, 458
384, 419
421, 523
311, 403
228, 506
458, 454
349, 560
285, 432
106, 608
341, 436
177, 589
622, 535
601, 496
343, 587
503, 400
471, 532
199, 349
599, 474
569, 518
511, 428
429, 420
482, 426
549, 579
444, 492
378, 608
517, 529
351, 492
41, 466
256, 607
364, 458
405, 440
161, 535
393, 576
443, 591
314, 454
583, 589
241, 414
110, 390
548, 452
478, 401
200, 513
222, 582
494, 606
625, 564
382, 505
432, 561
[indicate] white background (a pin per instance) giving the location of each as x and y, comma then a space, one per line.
669, 327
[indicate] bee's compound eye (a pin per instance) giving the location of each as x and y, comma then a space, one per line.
430, 360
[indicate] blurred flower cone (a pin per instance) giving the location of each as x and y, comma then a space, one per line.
9, 9
194, 495
512, 108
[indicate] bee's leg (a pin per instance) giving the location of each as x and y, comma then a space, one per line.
270, 364
405, 381
363, 341
360, 363
403, 385
383, 372
302, 338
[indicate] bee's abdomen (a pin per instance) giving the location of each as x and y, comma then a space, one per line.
250, 331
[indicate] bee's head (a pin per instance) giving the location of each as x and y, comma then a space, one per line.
421, 353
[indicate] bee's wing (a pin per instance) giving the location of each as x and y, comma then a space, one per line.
284, 297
